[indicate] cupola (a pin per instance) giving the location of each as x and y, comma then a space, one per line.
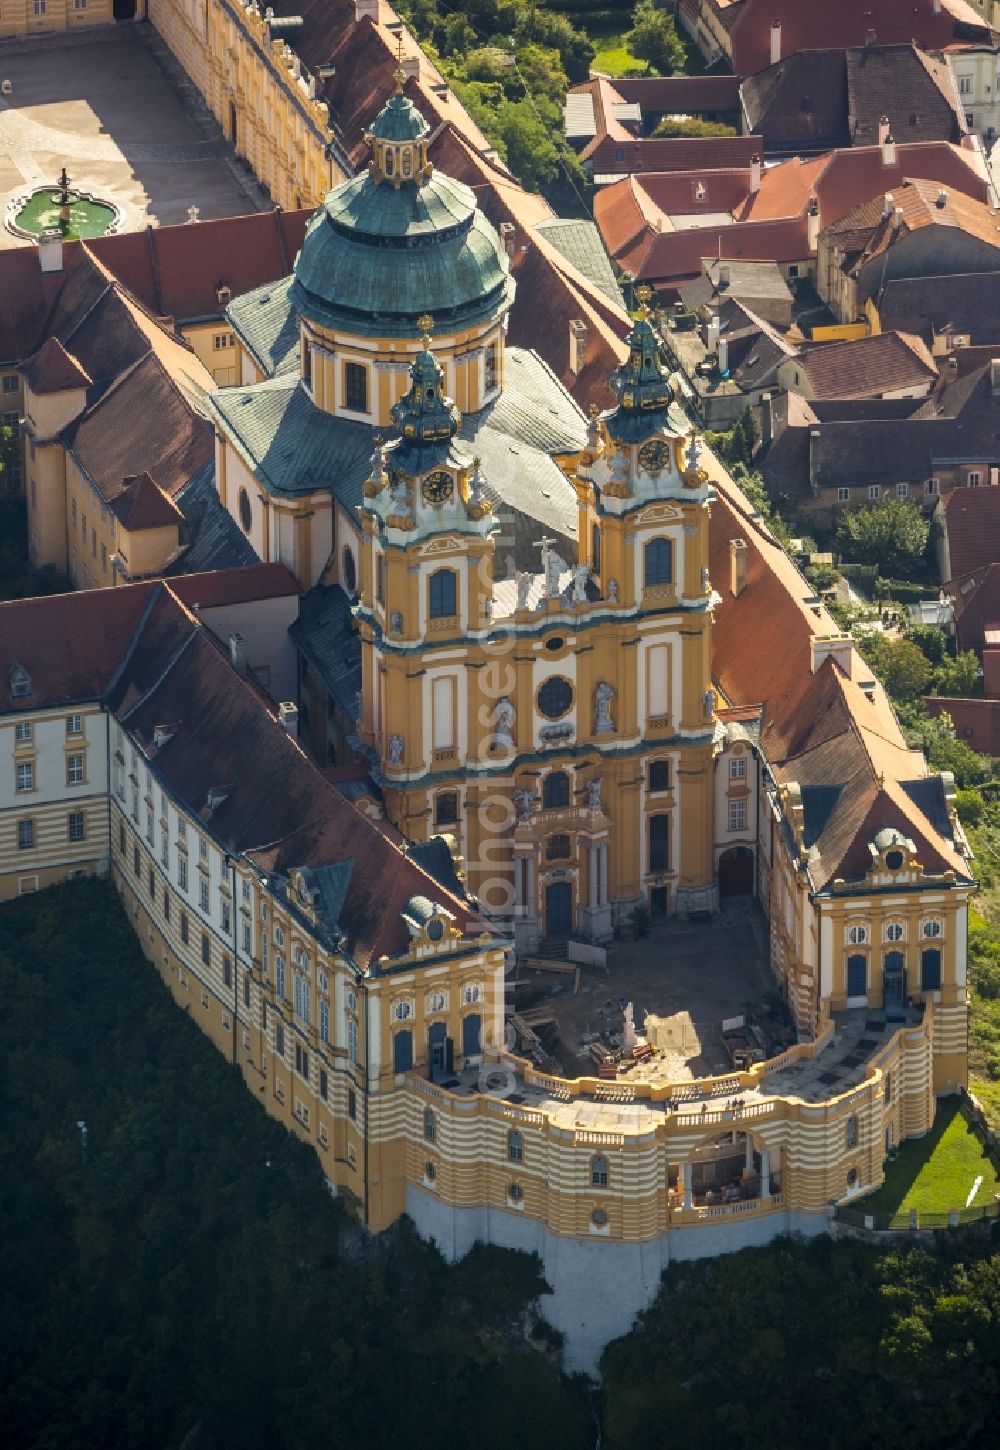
398, 141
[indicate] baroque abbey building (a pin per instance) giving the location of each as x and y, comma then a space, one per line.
500, 674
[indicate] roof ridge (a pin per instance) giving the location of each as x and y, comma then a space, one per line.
154, 263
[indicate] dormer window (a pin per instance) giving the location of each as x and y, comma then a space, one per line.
390, 161
894, 860
19, 682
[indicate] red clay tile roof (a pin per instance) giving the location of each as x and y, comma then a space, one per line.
680, 95
922, 204
977, 604
977, 722
667, 259
69, 644
867, 367
673, 153
807, 26
176, 271
235, 586
142, 504
54, 370
26, 295
972, 527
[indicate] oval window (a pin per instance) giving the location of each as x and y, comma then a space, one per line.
246, 514
894, 860
515, 1192
554, 644
435, 930
555, 697
350, 573
599, 1217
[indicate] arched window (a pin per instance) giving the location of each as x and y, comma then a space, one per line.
852, 1131
555, 790
515, 1147
659, 843
599, 1172
443, 594
857, 975
352, 1040
659, 562
430, 1127
595, 548
446, 808
557, 848
930, 969
402, 1051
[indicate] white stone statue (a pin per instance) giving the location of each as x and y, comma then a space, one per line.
629, 1038
708, 703
581, 573
477, 490
619, 468
555, 568
524, 800
504, 722
395, 749
396, 622
706, 582
399, 496
603, 696
692, 455
524, 581
594, 794
378, 467
612, 591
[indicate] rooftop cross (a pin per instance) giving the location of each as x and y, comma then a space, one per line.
426, 324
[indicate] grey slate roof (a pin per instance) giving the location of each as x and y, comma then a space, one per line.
580, 243
215, 541
325, 633
436, 859
268, 327
294, 448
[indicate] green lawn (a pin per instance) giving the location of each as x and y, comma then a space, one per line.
936, 1173
611, 57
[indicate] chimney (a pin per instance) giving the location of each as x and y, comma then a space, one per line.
936, 6
889, 151
814, 438
50, 250
577, 345
737, 566
766, 419
888, 202
994, 376
507, 238
775, 41
755, 169
365, 10
288, 716
897, 220
941, 200
812, 225
712, 333
883, 130
870, 39
839, 647
723, 277
238, 653
723, 355
411, 67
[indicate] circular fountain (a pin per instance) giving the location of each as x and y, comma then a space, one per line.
63, 209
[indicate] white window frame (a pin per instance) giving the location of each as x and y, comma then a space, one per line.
738, 815
843, 495
874, 492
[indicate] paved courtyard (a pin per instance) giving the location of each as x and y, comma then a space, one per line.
103, 106
692, 974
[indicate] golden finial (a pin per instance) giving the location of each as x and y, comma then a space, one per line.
644, 292
593, 410
399, 74
425, 322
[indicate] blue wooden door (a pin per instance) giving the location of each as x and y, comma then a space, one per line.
471, 1033
558, 908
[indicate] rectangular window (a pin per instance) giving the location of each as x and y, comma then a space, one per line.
246, 989
874, 492
165, 847
248, 938
221, 341
136, 863
659, 775
245, 890
202, 849
24, 732
79, 4
659, 843
226, 918
166, 903
965, 85
184, 927
182, 872
930, 970
492, 378
227, 972
74, 724
149, 824
25, 835
77, 826
324, 1022
933, 487
380, 579
26, 775
203, 894
902, 489
443, 594
279, 1040
975, 478
121, 836
352, 1105
737, 815
10, 383
302, 998
356, 387
324, 1087
301, 1061
74, 770
83, 526
843, 495
738, 767
38, 6
152, 884
206, 948
857, 975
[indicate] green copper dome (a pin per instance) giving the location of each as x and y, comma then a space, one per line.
426, 418
386, 247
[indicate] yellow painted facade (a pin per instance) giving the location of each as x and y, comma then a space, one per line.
43, 17
255, 87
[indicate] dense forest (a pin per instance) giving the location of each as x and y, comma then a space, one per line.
181, 1277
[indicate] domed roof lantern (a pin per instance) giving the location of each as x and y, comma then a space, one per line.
398, 138
640, 382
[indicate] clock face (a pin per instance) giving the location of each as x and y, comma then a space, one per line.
654, 456
437, 486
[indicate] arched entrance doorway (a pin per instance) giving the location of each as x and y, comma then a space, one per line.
893, 979
736, 872
124, 9
558, 908
729, 1167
